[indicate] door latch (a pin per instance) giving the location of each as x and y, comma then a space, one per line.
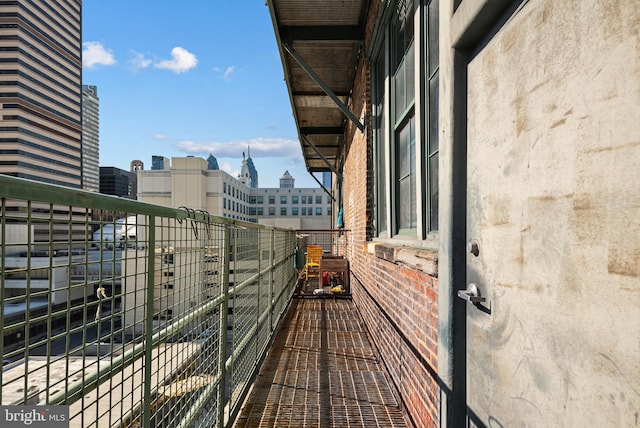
471, 294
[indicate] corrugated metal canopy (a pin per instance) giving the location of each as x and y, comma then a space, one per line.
319, 43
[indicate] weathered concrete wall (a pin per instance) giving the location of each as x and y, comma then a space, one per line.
554, 201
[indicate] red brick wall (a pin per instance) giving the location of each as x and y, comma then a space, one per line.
398, 302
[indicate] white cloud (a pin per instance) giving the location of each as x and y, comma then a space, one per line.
139, 61
260, 148
181, 61
226, 74
94, 54
159, 136
229, 169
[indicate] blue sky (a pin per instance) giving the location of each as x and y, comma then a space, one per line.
190, 78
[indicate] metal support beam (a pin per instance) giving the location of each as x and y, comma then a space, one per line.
324, 159
323, 86
321, 130
323, 33
323, 188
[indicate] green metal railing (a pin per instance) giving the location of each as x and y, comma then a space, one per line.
133, 314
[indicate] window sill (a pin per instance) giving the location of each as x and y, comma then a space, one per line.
420, 255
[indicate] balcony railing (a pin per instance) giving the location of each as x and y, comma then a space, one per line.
133, 314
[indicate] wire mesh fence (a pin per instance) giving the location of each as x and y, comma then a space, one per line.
133, 314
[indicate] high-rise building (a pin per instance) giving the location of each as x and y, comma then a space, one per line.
326, 180
40, 91
90, 138
118, 182
287, 181
249, 173
159, 163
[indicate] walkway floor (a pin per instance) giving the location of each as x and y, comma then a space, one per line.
321, 372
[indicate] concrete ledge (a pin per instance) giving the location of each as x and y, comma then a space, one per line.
416, 258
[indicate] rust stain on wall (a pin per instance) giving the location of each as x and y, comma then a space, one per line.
624, 262
610, 148
559, 122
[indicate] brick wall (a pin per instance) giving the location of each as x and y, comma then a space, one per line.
397, 300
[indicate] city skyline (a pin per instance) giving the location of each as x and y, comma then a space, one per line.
214, 86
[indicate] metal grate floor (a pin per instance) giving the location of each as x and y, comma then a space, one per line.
321, 372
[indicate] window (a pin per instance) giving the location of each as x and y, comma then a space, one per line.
283, 211
328, 199
294, 199
318, 200
405, 157
260, 199
272, 199
294, 211
329, 211
260, 211
318, 210
224, 187
283, 199
224, 203
272, 210
304, 210
304, 199
252, 199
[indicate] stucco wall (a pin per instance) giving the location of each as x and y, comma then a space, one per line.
553, 199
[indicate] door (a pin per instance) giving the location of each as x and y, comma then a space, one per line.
552, 149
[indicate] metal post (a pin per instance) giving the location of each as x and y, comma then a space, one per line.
271, 278
222, 311
149, 322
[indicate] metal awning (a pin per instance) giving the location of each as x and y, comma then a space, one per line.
319, 43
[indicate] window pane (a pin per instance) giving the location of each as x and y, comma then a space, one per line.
432, 43
404, 84
433, 114
406, 177
433, 190
402, 31
404, 162
409, 76
399, 91
379, 126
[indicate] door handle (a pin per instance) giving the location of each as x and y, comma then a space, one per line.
471, 294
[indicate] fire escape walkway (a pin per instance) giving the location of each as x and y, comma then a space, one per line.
321, 372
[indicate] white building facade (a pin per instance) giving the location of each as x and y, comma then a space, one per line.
188, 182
